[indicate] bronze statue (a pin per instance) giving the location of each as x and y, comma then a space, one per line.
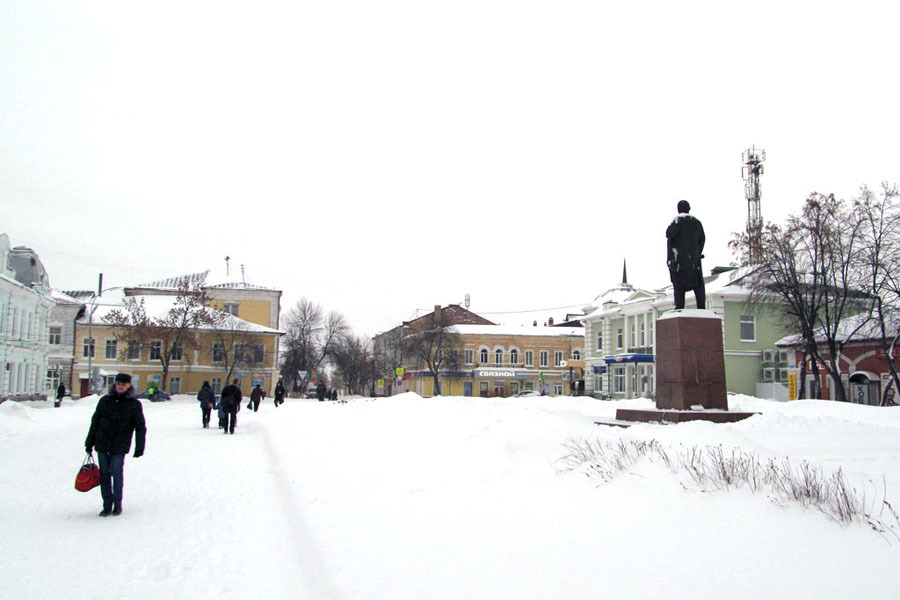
685, 240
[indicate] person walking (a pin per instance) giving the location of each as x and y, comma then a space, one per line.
320, 391
118, 415
256, 396
60, 394
279, 394
231, 404
207, 400
684, 249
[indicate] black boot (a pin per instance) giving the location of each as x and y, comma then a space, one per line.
104, 513
117, 510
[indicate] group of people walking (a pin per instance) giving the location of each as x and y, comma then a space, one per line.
229, 403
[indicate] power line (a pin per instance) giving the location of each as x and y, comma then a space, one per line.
518, 312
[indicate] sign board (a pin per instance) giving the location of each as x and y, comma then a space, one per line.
494, 373
793, 386
400, 371
302, 374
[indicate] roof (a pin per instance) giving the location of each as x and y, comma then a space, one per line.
210, 278
157, 306
858, 328
518, 330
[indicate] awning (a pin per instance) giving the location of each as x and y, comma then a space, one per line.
863, 377
628, 358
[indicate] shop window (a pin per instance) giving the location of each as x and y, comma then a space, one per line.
619, 379
51, 382
467, 388
557, 389
174, 385
483, 389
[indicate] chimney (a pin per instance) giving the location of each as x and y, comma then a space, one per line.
437, 315
535, 324
550, 322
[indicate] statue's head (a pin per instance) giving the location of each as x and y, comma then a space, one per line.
684, 206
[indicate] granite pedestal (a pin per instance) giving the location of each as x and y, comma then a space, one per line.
690, 371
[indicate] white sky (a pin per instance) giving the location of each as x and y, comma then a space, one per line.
379, 157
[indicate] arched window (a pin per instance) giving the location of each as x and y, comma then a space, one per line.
498, 356
484, 355
514, 356
576, 354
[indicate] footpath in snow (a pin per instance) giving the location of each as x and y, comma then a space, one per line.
407, 497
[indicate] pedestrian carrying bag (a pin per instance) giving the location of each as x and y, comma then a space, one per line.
88, 476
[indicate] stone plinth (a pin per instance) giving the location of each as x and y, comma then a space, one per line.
690, 361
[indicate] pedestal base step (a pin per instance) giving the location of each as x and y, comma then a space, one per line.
679, 416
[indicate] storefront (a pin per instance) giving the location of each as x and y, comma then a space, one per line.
630, 375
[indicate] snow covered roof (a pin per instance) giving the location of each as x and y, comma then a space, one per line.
210, 278
518, 330
157, 306
64, 298
861, 327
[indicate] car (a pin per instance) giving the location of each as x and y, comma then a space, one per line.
157, 396
527, 394
310, 392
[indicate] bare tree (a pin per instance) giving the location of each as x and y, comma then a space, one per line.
881, 266
434, 349
169, 337
235, 344
310, 337
810, 267
352, 359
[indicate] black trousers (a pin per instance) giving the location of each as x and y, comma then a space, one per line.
699, 294
206, 411
230, 420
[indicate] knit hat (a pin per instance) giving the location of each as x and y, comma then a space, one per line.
684, 206
123, 378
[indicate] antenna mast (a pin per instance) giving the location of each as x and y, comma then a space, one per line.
753, 167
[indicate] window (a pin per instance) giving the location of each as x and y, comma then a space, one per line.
620, 338
87, 349
112, 347
633, 335
598, 382
156, 350
643, 333
576, 354
484, 356
483, 389
134, 351
600, 340
529, 358
545, 357
259, 354
618, 379
557, 389
231, 308
56, 335
238, 354
748, 328
178, 351
470, 359
467, 388
218, 352
174, 385
51, 382
557, 358
514, 357
216, 383
498, 357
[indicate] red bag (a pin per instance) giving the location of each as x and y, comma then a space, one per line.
88, 475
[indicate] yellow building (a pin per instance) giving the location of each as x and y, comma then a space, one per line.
250, 324
490, 360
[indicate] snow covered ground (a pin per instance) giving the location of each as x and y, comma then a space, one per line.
417, 498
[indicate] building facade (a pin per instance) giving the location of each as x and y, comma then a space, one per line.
620, 335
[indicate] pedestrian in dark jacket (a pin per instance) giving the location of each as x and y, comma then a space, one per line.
279, 394
684, 245
231, 404
118, 415
60, 394
256, 396
320, 392
334, 394
207, 399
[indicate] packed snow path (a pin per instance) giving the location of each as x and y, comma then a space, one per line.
429, 498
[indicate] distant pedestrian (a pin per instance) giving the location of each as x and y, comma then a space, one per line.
60, 394
231, 404
279, 394
334, 394
320, 391
207, 399
221, 410
118, 415
256, 396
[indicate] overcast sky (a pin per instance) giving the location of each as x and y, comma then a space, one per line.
380, 157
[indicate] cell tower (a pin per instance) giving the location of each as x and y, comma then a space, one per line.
753, 168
